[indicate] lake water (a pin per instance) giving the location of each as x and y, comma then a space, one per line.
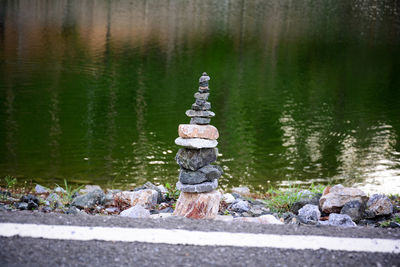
303, 91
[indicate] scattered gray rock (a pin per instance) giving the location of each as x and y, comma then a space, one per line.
135, 212
72, 210
89, 188
41, 189
194, 159
162, 188
197, 188
228, 198
199, 113
112, 209
235, 195
342, 220
337, 196
90, 200
149, 185
166, 210
196, 143
243, 190
59, 189
302, 202
144, 197
309, 214
264, 219
379, 205
29, 198
5, 194
257, 210
355, 209
53, 197
45, 209
240, 206
206, 173
21, 206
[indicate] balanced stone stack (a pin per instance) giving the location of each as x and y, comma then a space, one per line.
198, 178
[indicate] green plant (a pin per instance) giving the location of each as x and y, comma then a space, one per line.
69, 191
172, 193
10, 181
317, 189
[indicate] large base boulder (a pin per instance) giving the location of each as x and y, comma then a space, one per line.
337, 196
198, 206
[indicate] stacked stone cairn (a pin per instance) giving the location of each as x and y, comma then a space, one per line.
198, 178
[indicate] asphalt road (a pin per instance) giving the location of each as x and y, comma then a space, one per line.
26, 251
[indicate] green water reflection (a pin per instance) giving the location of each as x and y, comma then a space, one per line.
93, 91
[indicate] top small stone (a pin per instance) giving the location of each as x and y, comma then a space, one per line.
203, 81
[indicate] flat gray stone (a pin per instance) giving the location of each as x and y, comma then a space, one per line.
41, 189
341, 220
205, 106
196, 142
135, 212
206, 173
200, 120
201, 96
197, 188
199, 113
194, 159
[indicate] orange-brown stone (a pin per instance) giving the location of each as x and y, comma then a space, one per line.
198, 131
198, 205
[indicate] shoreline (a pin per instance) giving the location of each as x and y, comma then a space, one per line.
276, 206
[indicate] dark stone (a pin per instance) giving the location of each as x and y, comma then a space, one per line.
5, 194
194, 159
240, 206
197, 188
205, 106
45, 209
22, 206
72, 210
296, 206
201, 96
394, 225
199, 113
32, 205
30, 198
355, 209
166, 210
204, 174
199, 120
90, 200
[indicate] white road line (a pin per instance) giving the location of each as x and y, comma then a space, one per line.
197, 238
